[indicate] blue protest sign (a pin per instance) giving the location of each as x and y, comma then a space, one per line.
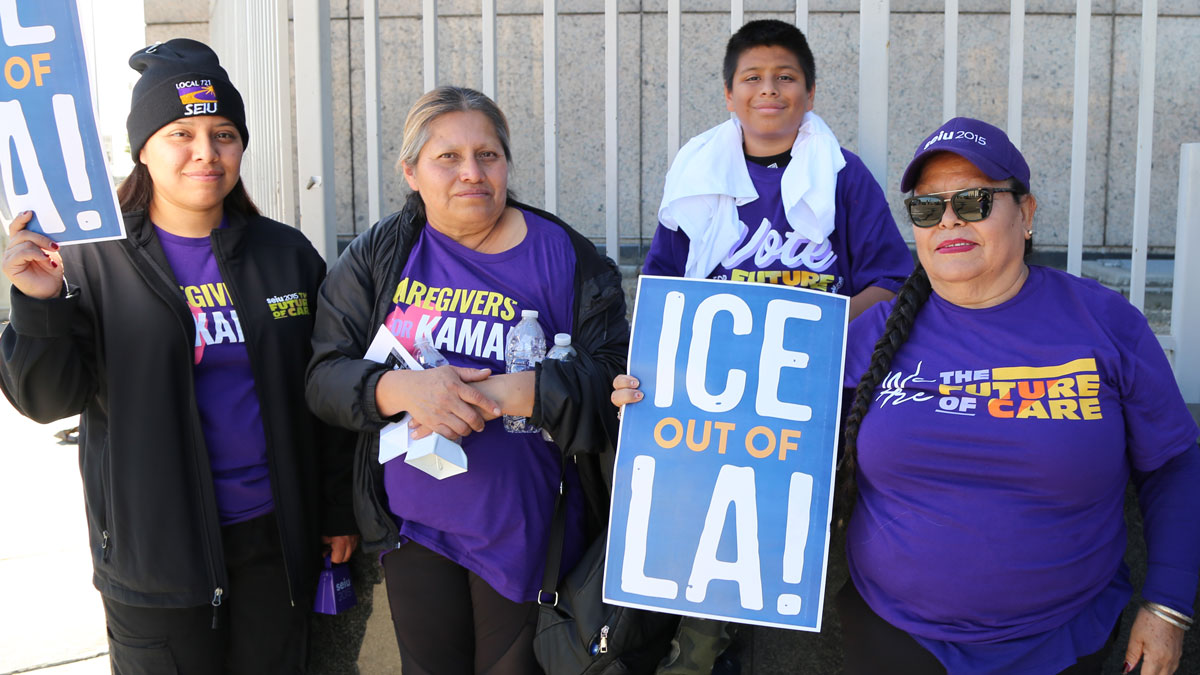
51, 161
722, 485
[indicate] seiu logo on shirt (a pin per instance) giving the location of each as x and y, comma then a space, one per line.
1070, 391
216, 319
289, 304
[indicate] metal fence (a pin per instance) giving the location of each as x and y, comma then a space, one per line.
252, 39
314, 120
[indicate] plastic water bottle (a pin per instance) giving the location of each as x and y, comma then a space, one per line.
561, 351
428, 355
525, 347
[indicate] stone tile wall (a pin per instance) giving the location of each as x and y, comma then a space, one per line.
914, 96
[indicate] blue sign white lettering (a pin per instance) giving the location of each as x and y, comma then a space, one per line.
722, 485
51, 161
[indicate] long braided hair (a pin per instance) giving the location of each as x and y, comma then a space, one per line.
909, 300
911, 297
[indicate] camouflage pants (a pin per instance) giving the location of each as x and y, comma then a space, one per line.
695, 648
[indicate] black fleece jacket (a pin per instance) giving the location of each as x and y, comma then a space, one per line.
118, 348
571, 401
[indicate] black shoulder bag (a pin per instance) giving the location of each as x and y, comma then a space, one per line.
578, 633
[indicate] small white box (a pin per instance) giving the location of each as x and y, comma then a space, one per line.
437, 456
393, 440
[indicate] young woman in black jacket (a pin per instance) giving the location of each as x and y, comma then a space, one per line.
208, 486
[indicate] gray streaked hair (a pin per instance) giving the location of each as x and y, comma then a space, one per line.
447, 99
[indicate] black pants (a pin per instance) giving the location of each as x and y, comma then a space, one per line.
871, 645
259, 630
448, 621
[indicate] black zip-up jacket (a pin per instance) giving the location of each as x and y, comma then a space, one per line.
571, 401
118, 348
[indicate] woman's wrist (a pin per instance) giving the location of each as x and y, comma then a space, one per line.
1171, 616
389, 394
513, 391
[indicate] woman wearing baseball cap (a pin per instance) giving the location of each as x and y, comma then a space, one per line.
208, 486
1001, 411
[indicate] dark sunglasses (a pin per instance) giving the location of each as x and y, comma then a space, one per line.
972, 205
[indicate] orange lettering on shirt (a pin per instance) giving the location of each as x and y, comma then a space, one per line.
1000, 407
1004, 389
1033, 409
1035, 389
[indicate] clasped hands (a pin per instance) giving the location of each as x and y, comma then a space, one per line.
451, 400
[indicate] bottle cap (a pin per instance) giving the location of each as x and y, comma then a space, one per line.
562, 339
529, 313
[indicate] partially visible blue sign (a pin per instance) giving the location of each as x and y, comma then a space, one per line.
722, 486
51, 161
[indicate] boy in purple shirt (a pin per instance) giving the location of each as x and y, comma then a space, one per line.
770, 196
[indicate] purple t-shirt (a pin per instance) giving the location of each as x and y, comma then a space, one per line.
864, 249
992, 471
225, 393
493, 519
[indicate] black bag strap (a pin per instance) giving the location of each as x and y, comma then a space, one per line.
548, 595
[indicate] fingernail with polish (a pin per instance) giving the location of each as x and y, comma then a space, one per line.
1127, 668
54, 246
53, 263
638, 396
635, 384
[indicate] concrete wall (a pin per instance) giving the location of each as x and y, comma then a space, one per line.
915, 75
166, 19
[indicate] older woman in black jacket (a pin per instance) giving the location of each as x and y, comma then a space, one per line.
459, 265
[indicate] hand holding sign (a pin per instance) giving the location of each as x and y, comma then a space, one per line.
625, 391
51, 160
29, 262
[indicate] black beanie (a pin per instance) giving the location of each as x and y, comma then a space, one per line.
180, 78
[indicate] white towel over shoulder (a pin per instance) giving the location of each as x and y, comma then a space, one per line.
708, 181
